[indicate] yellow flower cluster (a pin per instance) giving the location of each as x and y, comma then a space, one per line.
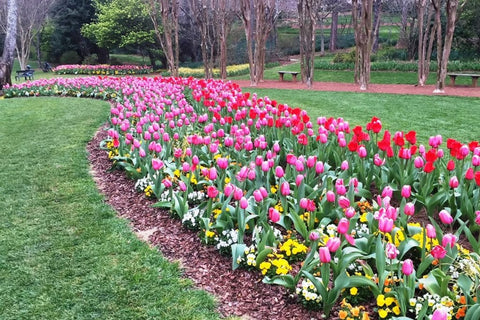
200, 72
276, 260
293, 247
387, 305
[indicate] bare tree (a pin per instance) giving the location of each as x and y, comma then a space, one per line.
405, 9
258, 17
362, 24
6, 61
443, 52
377, 16
426, 36
307, 16
164, 15
224, 12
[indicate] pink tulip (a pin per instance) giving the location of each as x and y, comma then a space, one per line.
445, 217
406, 191
387, 192
167, 183
344, 165
330, 196
343, 226
311, 160
222, 163
409, 209
453, 182
264, 192
299, 179
303, 203
438, 252
228, 189
343, 202
477, 219
299, 166
418, 162
319, 167
476, 160
431, 232
350, 212
212, 192
377, 160
324, 255
285, 188
333, 244
407, 267
449, 240
237, 193
391, 251
276, 147
257, 195
265, 166
362, 152
279, 172
195, 160
273, 215
314, 236
212, 173
182, 185
385, 224
157, 164
440, 314
243, 203
185, 167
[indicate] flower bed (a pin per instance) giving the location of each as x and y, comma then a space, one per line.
337, 215
102, 69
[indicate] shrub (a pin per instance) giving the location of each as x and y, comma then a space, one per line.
70, 57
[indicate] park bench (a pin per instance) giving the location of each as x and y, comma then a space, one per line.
293, 73
27, 74
453, 77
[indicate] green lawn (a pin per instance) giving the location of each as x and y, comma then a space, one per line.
63, 252
428, 115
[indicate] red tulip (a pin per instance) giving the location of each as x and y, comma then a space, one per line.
438, 252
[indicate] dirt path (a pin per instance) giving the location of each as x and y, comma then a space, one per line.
461, 91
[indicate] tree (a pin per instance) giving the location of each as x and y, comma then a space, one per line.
6, 61
467, 31
443, 49
63, 32
307, 16
164, 15
362, 24
426, 36
258, 17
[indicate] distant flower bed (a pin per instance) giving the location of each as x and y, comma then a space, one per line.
328, 211
233, 70
102, 69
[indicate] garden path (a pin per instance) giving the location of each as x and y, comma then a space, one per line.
463, 91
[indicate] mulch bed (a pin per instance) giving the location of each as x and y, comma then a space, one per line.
239, 292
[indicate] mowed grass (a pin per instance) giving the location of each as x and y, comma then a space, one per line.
63, 252
452, 117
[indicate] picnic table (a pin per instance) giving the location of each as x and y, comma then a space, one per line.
293, 73
453, 77
27, 74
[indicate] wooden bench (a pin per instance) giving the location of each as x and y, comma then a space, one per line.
293, 73
453, 77
27, 74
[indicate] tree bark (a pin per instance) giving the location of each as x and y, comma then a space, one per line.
333, 30
451, 12
362, 23
6, 61
377, 8
307, 17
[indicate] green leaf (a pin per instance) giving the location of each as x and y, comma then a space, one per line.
162, 204
299, 224
238, 250
262, 255
284, 280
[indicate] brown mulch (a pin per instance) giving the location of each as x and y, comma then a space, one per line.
239, 293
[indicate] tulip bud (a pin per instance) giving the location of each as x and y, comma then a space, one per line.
314, 236
418, 162
385, 224
343, 226
453, 182
285, 188
440, 314
182, 185
257, 195
409, 209
299, 179
431, 232
319, 167
333, 244
273, 215
406, 191
445, 217
407, 267
391, 251
343, 202
438, 252
387, 192
243, 203
324, 255
350, 212
330, 196
344, 165
449, 240
279, 172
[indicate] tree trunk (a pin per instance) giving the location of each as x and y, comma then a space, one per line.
246, 7
6, 61
403, 37
437, 5
451, 9
362, 24
307, 16
333, 30
376, 25
421, 4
